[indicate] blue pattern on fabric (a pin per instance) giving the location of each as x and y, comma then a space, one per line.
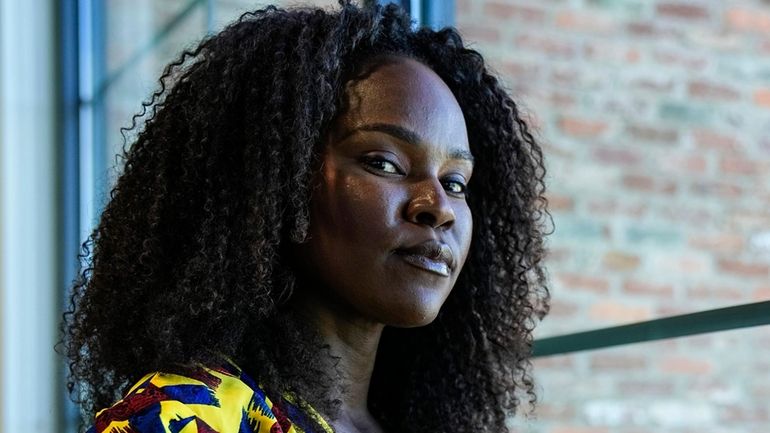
176, 425
260, 404
148, 420
191, 394
299, 417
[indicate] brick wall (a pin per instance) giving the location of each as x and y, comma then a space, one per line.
655, 118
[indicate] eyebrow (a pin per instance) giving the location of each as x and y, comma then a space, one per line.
408, 136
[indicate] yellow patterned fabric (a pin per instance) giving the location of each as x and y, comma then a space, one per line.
211, 400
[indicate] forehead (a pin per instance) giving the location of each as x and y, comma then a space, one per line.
406, 93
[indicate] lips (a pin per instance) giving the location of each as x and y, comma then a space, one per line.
431, 255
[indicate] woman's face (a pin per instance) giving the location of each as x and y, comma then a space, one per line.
390, 227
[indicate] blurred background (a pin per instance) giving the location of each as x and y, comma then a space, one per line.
655, 120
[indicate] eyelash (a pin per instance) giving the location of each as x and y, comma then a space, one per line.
374, 161
463, 187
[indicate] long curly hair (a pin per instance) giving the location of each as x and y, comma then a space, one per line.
189, 258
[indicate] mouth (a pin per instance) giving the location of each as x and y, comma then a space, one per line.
430, 255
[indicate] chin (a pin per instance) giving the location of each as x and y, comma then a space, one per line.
414, 318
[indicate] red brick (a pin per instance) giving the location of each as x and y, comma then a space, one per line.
681, 10
719, 189
682, 163
614, 207
555, 362
720, 242
751, 20
555, 412
562, 309
605, 361
762, 293
611, 52
566, 77
580, 127
618, 156
745, 415
570, 429
480, 33
744, 269
742, 166
649, 184
711, 140
685, 365
682, 265
646, 29
561, 100
762, 97
553, 47
680, 59
558, 255
686, 215
712, 91
509, 12
646, 387
746, 219
657, 85
712, 292
634, 287
584, 282
585, 22
671, 310
521, 71
616, 312
653, 133
619, 261
558, 202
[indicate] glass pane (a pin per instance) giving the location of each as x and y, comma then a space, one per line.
710, 383
142, 37
654, 119
229, 10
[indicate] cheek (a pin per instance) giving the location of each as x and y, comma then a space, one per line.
357, 208
464, 230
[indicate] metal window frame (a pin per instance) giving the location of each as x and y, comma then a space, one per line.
701, 322
69, 169
29, 216
427, 13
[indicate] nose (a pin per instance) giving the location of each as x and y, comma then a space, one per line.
430, 205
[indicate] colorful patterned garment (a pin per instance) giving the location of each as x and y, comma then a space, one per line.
220, 400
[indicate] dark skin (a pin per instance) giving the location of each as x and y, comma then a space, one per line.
379, 190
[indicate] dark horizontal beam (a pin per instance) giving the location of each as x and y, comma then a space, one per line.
723, 319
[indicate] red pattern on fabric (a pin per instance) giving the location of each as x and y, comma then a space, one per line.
203, 427
131, 405
207, 378
126, 429
281, 419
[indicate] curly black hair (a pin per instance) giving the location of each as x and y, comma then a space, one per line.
189, 259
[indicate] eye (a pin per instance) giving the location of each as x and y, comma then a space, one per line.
382, 164
457, 187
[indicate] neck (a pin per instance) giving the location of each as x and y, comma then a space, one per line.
351, 339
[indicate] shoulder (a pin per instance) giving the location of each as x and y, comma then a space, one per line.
220, 400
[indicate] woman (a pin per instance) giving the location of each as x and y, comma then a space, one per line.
295, 243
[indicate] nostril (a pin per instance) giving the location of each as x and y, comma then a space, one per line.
426, 218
